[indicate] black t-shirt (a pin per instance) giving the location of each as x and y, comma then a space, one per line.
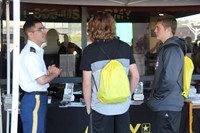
114, 48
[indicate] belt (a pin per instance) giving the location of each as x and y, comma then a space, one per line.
36, 93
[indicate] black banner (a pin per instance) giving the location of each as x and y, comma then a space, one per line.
72, 13
51, 13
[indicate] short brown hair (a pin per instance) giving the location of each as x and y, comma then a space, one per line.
101, 27
168, 21
29, 24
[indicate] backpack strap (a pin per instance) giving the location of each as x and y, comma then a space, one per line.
95, 84
103, 51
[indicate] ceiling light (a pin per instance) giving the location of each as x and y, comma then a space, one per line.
115, 1
30, 13
135, 2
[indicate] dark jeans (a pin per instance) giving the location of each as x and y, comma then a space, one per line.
167, 121
109, 124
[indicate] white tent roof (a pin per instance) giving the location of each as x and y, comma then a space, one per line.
119, 2
16, 4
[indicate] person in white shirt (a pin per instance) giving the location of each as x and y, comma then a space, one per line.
34, 78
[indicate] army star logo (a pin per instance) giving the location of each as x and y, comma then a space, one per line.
146, 128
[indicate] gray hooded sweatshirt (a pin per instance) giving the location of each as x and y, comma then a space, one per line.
167, 85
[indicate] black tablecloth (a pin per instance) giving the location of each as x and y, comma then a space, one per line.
66, 120
75, 119
196, 121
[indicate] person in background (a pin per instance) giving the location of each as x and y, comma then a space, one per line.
34, 78
63, 46
106, 118
152, 53
155, 48
196, 56
67, 47
188, 42
166, 98
51, 47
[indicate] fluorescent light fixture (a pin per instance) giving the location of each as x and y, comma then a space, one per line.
135, 2
30, 13
115, 1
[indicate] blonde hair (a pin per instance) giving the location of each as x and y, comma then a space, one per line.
101, 27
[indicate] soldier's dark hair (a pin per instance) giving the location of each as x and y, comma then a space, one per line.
29, 24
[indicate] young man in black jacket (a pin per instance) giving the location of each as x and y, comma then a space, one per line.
166, 98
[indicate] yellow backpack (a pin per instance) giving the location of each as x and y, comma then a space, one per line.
187, 75
114, 84
188, 68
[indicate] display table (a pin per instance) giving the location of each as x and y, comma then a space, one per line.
75, 119
66, 120
196, 118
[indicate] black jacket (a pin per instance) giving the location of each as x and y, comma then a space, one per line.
167, 85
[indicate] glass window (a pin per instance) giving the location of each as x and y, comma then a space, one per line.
189, 29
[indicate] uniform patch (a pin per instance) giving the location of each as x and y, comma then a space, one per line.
32, 49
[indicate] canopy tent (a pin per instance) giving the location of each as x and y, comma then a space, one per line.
16, 19
15, 82
119, 2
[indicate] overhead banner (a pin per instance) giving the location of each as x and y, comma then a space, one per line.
122, 14
66, 13
72, 13
51, 13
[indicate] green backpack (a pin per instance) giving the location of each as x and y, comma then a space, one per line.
114, 84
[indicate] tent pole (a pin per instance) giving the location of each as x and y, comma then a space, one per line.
15, 82
8, 43
8, 59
